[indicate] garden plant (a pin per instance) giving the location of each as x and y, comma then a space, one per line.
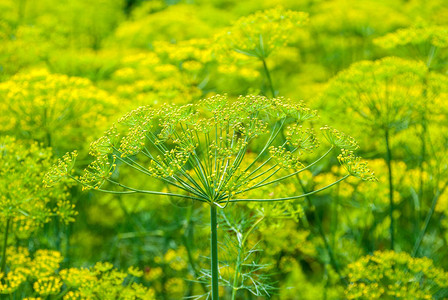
155, 149
199, 149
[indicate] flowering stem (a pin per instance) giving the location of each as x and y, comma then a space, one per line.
431, 55
268, 76
391, 189
237, 272
5, 242
427, 220
419, 199
214, 251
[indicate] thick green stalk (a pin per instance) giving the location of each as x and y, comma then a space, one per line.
214, 251
268, 76
391, 190
5, 243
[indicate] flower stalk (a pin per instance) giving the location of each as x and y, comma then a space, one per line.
214, 252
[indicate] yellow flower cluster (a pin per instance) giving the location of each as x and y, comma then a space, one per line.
355, 166
302, 139
433, 35
356, 19
23, 201
286, 159
42, 272
169, 73
174, 258
180, 22
47, 286
259, 34
64, 168
382, 94
212, 137
55, 109
339, 139
189, 51
388, 274
97, 172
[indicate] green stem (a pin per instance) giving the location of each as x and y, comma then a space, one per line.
427, 220
268, 76
391, 190
419, 200
236, 275
431, 55
5, 243
214, 252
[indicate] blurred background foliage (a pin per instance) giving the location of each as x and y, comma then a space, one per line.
70, 68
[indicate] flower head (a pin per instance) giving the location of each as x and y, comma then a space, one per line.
259, 34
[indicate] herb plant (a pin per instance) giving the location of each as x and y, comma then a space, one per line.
199, 149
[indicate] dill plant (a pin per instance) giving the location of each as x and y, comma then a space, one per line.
392, 275
383, 95
258, 36
199, 149
247, 265
40, 274
428, 44
421, 41
392, 96
54, 109
25, 206
170, 72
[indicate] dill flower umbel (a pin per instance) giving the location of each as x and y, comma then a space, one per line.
199, 148
355, 166
379, 93
205, 150
42, 273
24, 203
146, 77
393, 275
436, 36
259, 34
55, 109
